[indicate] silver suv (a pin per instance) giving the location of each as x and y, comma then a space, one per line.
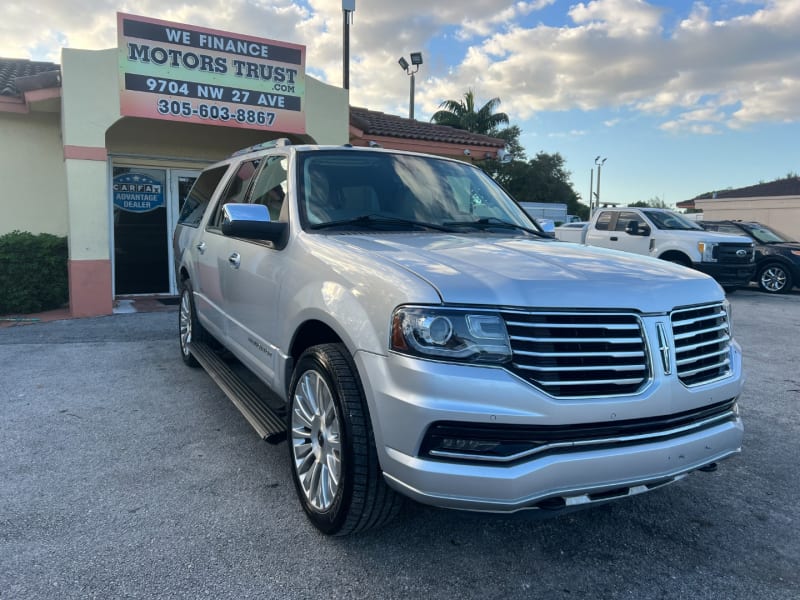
414, 334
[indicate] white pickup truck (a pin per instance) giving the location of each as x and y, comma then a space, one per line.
412, 333
665, 234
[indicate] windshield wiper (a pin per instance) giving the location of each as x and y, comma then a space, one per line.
370, 221
494, 222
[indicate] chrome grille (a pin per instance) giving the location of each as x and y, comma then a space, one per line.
576, 355
702, 343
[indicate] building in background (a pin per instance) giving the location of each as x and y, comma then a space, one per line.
776, 204
104, 147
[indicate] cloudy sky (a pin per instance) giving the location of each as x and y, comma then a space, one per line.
682, 97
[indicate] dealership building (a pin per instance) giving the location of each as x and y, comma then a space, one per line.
103, 147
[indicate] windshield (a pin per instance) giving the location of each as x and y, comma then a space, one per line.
767, 235
670, 220
351, 189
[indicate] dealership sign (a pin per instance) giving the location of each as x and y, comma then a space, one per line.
193, 74
136, 192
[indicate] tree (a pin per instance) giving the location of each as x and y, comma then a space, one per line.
654, 202
462, 114
511, 136
542, 179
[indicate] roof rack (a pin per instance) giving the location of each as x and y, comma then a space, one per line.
276, 143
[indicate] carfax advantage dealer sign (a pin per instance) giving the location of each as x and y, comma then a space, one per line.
193, 74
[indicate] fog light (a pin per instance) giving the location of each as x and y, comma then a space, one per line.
461, 445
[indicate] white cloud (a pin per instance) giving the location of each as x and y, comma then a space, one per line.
618, 18
705, 75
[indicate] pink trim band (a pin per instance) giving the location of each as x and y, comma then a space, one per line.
85, 153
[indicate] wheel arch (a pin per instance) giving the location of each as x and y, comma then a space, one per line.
676, 256
310, 333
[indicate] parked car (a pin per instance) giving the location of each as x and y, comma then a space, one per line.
777, 254
423, 338
665, 234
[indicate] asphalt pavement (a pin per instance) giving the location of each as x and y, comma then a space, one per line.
125, 474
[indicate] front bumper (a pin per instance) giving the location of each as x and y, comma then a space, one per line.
727, 274
407, 396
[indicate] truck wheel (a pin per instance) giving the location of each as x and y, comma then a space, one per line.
774, 279
332, 450
678, 259
190, 328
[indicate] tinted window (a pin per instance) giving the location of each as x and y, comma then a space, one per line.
339, 186
624, 219
270, 188
198, 198
732, 229
236, 190
603, 221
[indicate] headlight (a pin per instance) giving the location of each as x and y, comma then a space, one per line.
449, 334
729, 311
707, 251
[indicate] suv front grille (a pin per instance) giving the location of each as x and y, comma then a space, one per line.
577, 355
702, 343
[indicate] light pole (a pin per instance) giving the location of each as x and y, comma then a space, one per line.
348, 8
599, 164
416, 61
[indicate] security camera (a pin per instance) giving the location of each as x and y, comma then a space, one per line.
374, 144
504, 156
467, 152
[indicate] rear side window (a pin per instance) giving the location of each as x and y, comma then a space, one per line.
199, 197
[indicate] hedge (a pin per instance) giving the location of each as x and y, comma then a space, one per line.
33, 272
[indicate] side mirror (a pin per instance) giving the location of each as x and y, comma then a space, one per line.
252, 222
632, 228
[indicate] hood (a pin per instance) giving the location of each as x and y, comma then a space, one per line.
789, 246
710, 236
492, 270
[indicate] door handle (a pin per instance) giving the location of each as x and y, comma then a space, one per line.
201, 247
614, 238
235, 260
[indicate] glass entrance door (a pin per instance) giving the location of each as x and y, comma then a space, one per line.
146, 203
181, 182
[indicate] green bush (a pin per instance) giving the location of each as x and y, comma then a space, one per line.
33, 272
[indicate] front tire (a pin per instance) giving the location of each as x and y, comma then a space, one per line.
331, 445
774, 279
189, 328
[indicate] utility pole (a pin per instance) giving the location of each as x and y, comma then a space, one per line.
348, 8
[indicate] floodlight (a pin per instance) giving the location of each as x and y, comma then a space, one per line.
403, 63
416, 58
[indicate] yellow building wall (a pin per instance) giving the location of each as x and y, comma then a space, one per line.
327, 112
781, 213
32, 172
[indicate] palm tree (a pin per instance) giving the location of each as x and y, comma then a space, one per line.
461, 114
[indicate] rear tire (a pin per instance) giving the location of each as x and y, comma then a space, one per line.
189, 328
331, 446
775, 279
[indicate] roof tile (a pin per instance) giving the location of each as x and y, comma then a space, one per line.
11, 68
372, 122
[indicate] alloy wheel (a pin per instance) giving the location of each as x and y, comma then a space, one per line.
316, 440
186, 322
773, 279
